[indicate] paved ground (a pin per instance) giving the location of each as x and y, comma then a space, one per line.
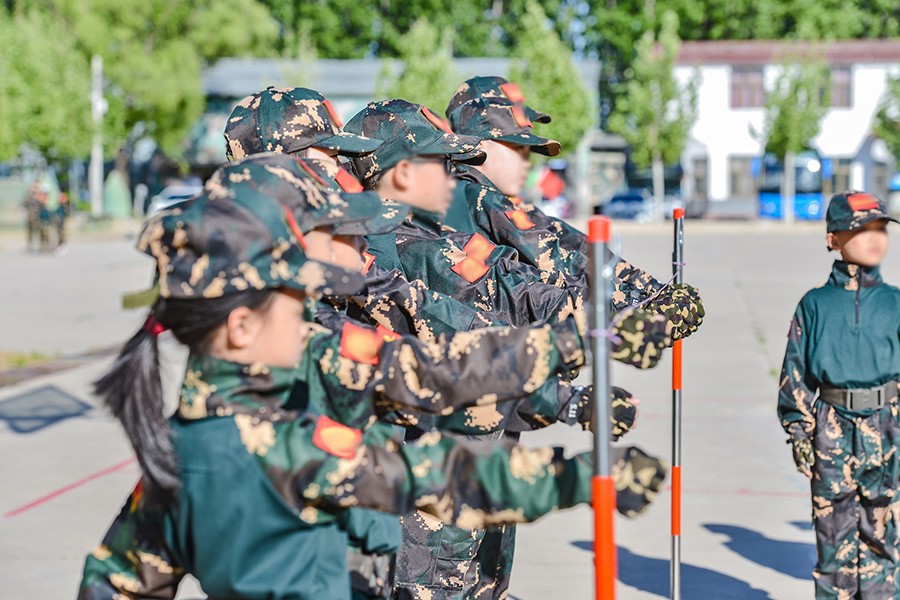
67, 468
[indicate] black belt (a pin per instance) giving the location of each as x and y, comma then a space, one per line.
860, 399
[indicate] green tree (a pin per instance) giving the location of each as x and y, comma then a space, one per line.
427, 75
887, 121
794, 109
550, 79
655, 113
44, 86
153, 52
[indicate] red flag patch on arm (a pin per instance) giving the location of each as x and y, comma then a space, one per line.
386, 334
348, 182
370, 260
520, 219
336, 438
474, 266
361, 344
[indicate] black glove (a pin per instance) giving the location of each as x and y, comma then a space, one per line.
641, 339
622, 414
638, 477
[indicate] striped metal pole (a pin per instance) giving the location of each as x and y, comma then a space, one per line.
678, 272
603, 487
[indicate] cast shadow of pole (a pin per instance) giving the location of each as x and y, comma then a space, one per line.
651, 575
795, 559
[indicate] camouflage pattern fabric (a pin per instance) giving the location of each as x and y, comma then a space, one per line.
492, 87
237, 234
681, 306
500, 120
441, 562
288, 120
851, 210
844, 334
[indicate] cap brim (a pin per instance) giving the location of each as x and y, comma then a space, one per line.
385, 220
876, 217
537, 116
452, 145
314, 277
349, 144
538, 144
476, 157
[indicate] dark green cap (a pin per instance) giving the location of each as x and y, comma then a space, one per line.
287, 120
492, 86
852, 210
239, 233
408, 130
500, 120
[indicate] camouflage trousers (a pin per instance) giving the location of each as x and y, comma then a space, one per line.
856, 506
441, 562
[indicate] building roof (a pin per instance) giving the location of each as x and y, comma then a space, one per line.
765, 52
354, 78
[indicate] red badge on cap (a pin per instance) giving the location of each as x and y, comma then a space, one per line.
474, 266
312, 172
370, 260
863, 202
336, 438
292, 223
512, 91
333, 114
435, 120
519, 116
361, 344
520, 219
348, 182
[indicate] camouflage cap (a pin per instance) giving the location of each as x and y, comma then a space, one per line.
287, 120
492, 86
239, 233
501, 120
851, 210
408, 130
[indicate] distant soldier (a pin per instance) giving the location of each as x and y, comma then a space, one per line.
33, 203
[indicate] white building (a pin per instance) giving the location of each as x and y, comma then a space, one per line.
733, 79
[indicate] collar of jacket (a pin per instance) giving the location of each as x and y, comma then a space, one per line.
852, 277
214, 388
470, 173
427, 220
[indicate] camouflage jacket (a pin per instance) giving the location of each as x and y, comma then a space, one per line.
474, 271
547, 243
845, 334
500, 377
308, 470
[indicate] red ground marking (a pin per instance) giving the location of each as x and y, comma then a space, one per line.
68, 488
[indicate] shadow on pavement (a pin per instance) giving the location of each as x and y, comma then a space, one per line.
795, 559
651, 575
39, 408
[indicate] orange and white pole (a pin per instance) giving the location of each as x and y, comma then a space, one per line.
603, 486
678, 272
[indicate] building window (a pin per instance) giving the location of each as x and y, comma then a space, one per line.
841, 87
740, 177
747, 89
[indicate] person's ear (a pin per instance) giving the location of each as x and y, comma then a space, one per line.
402, 175
242, 327
834, 244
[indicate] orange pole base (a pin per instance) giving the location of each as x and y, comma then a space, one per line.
604, 494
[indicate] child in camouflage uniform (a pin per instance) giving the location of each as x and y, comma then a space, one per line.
838, 403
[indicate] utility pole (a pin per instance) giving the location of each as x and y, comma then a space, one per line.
98, 109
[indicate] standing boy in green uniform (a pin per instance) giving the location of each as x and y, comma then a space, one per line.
844, 344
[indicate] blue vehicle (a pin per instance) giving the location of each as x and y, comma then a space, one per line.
810, 170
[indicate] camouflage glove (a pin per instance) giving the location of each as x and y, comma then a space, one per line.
623, 409
639, 477
802, 448
641, 339
681, 306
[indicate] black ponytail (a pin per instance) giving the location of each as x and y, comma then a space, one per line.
132, 388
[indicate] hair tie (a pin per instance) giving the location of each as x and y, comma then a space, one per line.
152, 326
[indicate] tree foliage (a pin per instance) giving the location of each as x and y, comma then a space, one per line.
887, 121
427, 76
655, 113
550, 80
796, 105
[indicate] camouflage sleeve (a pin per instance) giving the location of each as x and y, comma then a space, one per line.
797, 390
409, 307
134, 560
483, 366
463, 483
508, 224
